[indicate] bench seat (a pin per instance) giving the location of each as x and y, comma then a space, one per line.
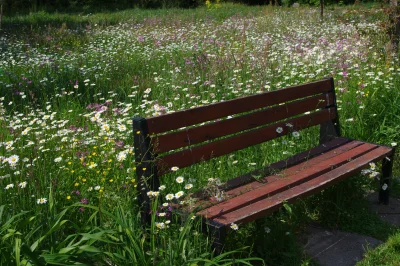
303, 174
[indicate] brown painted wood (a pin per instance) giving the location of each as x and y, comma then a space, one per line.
248, 181
294, 176
293, 160
198, 115
221, 147
196, 135
313, 186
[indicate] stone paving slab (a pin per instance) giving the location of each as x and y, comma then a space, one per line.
335, 248
389, 213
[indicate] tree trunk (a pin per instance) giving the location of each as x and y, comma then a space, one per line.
1, 12
321, 2
395, 27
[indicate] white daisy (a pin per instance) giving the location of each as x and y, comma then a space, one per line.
234, 226
9, 186
42, 201
22, 184
13, 159
121, 156
169, 197
105, 127
179, 179
121, 127
179, 194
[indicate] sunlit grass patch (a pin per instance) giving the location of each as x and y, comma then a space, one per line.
385, 254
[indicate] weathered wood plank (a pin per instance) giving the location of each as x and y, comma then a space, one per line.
238, 187
210, 112
283, 181
313, 186
196, 135
221, 147
293, 160
308, 159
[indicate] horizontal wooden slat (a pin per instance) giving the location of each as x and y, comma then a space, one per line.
222, 128
207, 201
198, 115
293, 160
221, 147
278, 183
273, 203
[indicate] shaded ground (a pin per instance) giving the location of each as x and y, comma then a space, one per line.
337, 248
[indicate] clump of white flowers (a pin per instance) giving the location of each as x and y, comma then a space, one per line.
371, 172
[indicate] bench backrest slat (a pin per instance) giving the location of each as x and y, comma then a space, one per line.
211, 131
210, 112
221, 147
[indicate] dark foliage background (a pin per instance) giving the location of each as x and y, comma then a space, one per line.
25, 6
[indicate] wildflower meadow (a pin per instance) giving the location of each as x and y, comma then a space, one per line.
70, 85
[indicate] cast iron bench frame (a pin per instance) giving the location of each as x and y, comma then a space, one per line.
255, 120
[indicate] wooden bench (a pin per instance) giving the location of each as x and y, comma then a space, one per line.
199, 134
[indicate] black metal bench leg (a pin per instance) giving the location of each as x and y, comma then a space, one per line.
146, 170
387, 166
218, 234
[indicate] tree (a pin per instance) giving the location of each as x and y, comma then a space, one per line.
395, 27
1, 12
321, 2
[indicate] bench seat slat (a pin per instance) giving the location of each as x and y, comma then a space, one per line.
221, 147
273, 203
233, 192
198, 115
293, 160
279, 183
234, 125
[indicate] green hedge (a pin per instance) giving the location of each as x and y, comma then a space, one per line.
26, 6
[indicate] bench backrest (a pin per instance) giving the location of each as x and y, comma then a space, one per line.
206, 132
191, 136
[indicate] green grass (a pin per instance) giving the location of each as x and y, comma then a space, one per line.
385, 254
80, 20
70, 83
